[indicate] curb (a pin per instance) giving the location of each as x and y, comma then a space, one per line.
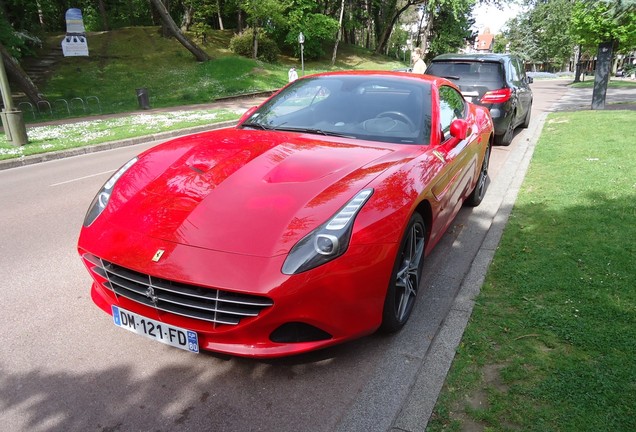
44, 157
417, 409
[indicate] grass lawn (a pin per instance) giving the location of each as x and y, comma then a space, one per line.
51, 138
613, 83
124, 60
551, 343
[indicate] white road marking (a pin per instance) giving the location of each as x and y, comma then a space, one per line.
82, 178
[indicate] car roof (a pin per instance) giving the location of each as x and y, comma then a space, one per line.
501, 58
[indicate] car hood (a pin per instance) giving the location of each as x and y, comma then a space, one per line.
242, 191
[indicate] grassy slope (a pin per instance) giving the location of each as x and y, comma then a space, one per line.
123, 60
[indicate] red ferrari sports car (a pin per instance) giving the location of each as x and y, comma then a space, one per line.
304, 226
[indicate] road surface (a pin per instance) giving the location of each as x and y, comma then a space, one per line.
64, 365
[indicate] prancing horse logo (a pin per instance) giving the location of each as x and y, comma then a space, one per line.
150, 293
158, 255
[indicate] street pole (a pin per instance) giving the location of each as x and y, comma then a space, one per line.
12, 120
301, 41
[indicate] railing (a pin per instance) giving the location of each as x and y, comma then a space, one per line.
45, 110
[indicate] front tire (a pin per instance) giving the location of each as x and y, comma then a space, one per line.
405, 278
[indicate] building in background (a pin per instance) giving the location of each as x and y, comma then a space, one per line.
485, 42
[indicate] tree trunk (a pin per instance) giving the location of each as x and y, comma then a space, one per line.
427, 31
218, 11
19, 76
198, 53
384, 38
578, 64
103, 15
255, 42
338, 36
186, 21
40, 15
239, 19
419, 30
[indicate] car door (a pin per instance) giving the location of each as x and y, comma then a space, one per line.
522, 91
457, 156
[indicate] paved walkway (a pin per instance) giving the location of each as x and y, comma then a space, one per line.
578, 99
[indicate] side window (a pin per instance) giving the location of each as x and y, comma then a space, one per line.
515, 72
451, 107
521, 70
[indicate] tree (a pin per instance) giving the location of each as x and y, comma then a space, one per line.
19, 76
339, 35
595, 22
306, 16
606, 23
261, 11
198, 53
450, 27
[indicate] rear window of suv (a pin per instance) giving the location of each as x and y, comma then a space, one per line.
467, 73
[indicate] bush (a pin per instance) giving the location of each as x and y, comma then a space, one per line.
241, 44
201, 32
629, 69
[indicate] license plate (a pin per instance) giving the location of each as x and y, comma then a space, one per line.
168, 334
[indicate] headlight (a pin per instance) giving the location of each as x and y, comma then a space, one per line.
101, 199
328, 241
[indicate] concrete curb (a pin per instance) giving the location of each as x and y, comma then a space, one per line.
418, 407
33, 159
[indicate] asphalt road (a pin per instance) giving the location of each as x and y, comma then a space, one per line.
65, 367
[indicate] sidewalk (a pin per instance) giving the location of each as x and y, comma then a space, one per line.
578, 99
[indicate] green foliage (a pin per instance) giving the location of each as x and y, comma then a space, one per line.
201, 31
242, 44
538, 35
397, 42
451, 27
318, 30
629, 69
14, 44
603, 21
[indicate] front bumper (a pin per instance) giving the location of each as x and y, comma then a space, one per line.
340, 300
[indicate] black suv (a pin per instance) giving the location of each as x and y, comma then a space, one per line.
496, 81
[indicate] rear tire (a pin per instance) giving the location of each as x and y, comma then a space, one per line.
477, 195
526, 120
506, 138
405, 278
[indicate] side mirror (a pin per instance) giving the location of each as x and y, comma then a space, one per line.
459, 129
247, 115
530, 80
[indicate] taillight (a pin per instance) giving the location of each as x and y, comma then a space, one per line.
497, 96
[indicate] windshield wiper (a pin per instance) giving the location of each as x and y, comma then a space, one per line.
256, 126
314, 131
451, 77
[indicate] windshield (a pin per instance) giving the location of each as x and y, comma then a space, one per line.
363, 107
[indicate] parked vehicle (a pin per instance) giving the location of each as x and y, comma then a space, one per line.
496, 81
305, 225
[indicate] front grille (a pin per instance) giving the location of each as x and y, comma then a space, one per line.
208, 304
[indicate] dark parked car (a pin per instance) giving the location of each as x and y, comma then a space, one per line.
496, 81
